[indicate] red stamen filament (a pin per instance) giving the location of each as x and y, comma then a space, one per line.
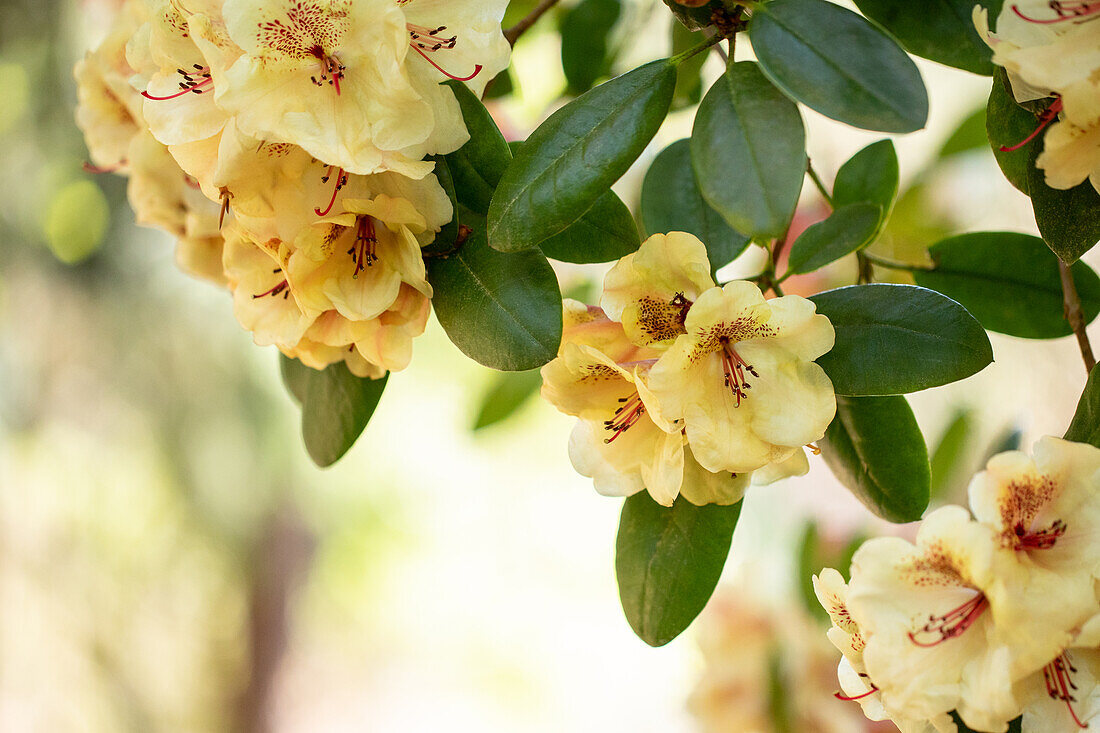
846, 698
91, 168
951, 624
630, 411
363, 251
1060, 684
1066, 10
341, 181
1043, 539
427, 40
280, 288
193, 82
332, 71
1045, 119
735, 367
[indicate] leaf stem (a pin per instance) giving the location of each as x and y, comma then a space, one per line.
513, 33
820, 184
685, 55
893, 265
1074, 315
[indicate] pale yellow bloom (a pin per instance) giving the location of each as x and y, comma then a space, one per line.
1065, 694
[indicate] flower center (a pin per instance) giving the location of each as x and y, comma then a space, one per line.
950, 625
427, 41
630, 411
1075, 10
332, 71
734, 368
281, 287
341, 181
363, 252
1042, 539
1048, 116
1060, 684
193, 82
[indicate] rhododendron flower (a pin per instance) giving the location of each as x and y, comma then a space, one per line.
1065, 694
742, 378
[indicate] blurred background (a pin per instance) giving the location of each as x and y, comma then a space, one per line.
170, 560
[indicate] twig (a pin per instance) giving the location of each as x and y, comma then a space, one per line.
893, 265
1072, 309
820, 185
513, 33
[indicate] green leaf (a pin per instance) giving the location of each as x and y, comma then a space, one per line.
1069, 221
1085, 427
809, 564
585, 53
604, 233
875, 448
894, 339
969, 135
949, 455
870, 176
447, 236
689, 74
1010, 282
694, 18
508, 392
847, 229
1010, 438
667, 562
501, 85
1014, 726
837, 63
477, 166
1008, 124
575, 155
336, 406
748, 148
672, 202
940, 30
502, 310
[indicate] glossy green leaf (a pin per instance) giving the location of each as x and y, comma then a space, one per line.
1014, 726
667, 562
1085, 427
1069, 221
894, 339
477, 166
508, 392
575, 155
875, 448
847, 229
1008, 124
672, 202
586, 53
949, 456
604, 233
870, 176
1010, 282
835, 62
502, 310
748, 148
501, 85
689, 73
336, 406
940, 30
694, 18
447, 236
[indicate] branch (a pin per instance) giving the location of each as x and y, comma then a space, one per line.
513, 33
1072, 309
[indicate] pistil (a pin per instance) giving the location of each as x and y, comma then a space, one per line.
341, 181
332, 71
1048, 116
194, 82
428, 41
363, 252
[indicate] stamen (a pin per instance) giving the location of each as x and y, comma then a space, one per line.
951, 624
630, 411
872, 691
363, 251
341, 181
1042, 539
1060, 685
225, 206
280, 288
681, 302
332, 71
1075, 10
734, 368
1048, 116
427, 40
193, 82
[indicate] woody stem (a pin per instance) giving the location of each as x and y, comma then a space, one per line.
513, 33
1076, 318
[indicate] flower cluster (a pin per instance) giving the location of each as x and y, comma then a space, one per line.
284, 143
1051, 49
686, 388
992, 616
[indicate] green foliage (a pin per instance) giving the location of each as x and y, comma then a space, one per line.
1010, 282
585, 51
940, 30
501, 309
807, 48
949, 455
869, 176
813, 555
875, 448
672, 202
447, 236
1008, 124
689, 77
695, 18
477, 166
748, 148
970, 135
667, 562
508, 392
1068, 220
575, 155
605, 232
894, 339
847, 230
1014, 726
1085, 427
336, 406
